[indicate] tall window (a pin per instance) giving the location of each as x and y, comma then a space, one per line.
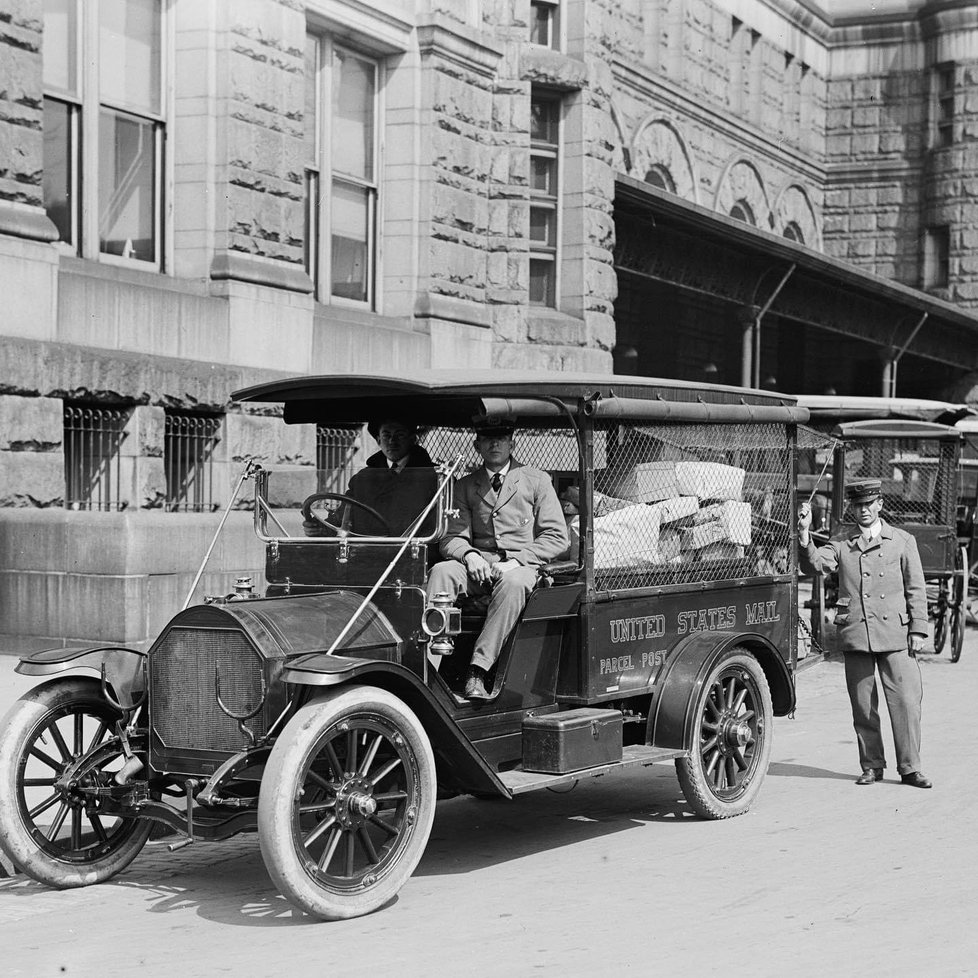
943, 82
103, 126
737, 62
341, 140
545, 23
937, 254
544, 196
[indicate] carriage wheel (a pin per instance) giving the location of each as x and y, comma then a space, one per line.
959, 609
942, 614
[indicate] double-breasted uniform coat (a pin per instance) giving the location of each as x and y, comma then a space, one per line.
882, 598
524, 522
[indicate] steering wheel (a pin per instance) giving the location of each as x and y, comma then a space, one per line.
309, 514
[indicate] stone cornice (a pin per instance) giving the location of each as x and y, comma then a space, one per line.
242, 267
460, 45
24, 221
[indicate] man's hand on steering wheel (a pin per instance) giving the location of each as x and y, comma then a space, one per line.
312, 516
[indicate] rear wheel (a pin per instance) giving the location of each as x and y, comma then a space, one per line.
731, 742
346, 803
959, 611
942, 614
57, 747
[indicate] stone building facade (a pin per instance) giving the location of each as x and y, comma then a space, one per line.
198, 196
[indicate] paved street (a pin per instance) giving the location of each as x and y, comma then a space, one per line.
822, 878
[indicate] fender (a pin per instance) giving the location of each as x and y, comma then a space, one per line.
671, 719
125, 669
457, 758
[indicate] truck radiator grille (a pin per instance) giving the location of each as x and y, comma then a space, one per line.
183, 703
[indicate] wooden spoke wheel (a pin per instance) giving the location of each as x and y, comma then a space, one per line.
346, 803
731, 738
58, 749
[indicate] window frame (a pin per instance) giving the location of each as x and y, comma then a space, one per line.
937, 257
943, 105
321, 180
549, 203
554, 22
86, 109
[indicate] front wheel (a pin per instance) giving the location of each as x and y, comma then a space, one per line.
346, 803
57, 750
731, 746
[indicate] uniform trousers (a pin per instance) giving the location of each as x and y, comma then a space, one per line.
902, 686
507, 599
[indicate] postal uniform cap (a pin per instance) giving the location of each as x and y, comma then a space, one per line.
494, 429
864, 490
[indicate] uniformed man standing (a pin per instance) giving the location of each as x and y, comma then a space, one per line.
882, 623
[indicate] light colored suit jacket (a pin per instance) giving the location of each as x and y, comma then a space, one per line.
523, 522
882, 594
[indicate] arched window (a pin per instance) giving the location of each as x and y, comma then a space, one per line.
741, 211
793, 232
660, 177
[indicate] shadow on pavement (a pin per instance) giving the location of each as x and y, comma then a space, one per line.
227, 882
780, 770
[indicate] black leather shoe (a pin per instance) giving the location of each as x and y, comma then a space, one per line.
916, 780
475, 688
871, 776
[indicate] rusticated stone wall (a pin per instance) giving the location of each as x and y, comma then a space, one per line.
21, 135
266, 80
889, 177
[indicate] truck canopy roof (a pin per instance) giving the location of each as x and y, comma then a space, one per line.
459, 397
847, 407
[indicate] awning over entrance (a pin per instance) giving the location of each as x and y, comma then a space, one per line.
670, 250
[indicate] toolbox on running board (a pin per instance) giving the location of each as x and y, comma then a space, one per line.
572, 740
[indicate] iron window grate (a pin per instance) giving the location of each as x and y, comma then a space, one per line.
93, 464
189, 445
336, 453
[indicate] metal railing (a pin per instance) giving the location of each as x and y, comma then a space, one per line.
336, 451
93, 464
189, 445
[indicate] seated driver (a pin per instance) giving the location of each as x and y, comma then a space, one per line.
509, 524
398, 482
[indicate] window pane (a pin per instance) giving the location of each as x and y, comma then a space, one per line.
129, 53
310, 110
350, 214
127, 180
542, 172
352, 132
543, 121
60, 50
312, 227
58, 164
541, 17
542, 224
541, 282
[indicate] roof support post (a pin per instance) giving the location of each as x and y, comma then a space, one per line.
750, 348
890, 365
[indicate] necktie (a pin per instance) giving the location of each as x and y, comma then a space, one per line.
497, 482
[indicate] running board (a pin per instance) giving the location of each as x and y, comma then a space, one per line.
519, 781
